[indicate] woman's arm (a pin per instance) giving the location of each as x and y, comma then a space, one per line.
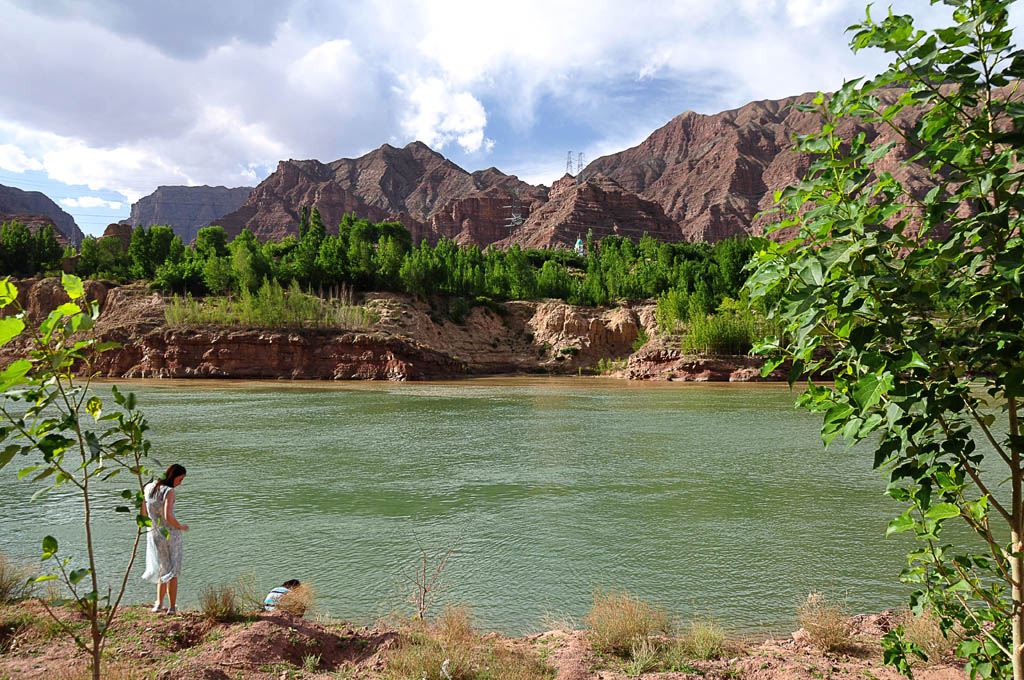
145, 505
169, 512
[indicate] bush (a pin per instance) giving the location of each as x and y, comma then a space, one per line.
450, 648
220, 602
617, 620
705, 639
14, 578
298, 600
641, 339
826, 621
924, 631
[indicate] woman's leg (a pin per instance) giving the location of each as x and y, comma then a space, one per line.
161, 590
172, 591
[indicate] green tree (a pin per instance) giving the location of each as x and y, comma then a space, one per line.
212, 242
72, 440
913, 302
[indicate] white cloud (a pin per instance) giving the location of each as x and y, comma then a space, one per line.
14, 159
440, 116
90, 202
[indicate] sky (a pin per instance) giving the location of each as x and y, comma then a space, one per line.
104, 100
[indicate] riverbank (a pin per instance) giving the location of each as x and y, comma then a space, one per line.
398, 338
272, 646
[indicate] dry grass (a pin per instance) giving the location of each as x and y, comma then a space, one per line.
826, 621
617, 620
248, 596
705, 639
298, 600
220, 602
14, 578
924, 631
110, 672
451, 648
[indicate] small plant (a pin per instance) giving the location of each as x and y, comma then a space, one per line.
310, 662
616, 620
676, 657
14, 580
220, 602
826, 621
426, 582
923, 630
570, 351
248, 596
705, 639
643, 657
609, 365
641, 338
298, 600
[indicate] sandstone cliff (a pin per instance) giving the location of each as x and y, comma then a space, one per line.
186, 209
15, 202
410, 340
712, 174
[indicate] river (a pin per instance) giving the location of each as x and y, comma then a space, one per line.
710, 499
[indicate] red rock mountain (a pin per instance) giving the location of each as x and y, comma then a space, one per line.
699, 178
16, 203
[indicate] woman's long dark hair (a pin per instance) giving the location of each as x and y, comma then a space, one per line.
172, 473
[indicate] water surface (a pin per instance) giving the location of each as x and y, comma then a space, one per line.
709, 499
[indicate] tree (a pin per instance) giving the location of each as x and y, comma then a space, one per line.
44, 414
212, 242
913, 302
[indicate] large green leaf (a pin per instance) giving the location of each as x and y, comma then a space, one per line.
869, 390
10, 327
14, 373
942, 511
72, 286
8, 293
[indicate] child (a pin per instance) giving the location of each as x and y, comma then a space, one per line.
270, 603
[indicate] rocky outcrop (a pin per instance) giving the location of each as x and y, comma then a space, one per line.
14, 202
712, 174
601, 205
307, 354
662, 363
414, 185
186, 209
407, 340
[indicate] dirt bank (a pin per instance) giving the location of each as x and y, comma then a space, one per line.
407, 339
271, 646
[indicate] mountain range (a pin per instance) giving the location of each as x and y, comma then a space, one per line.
698, 178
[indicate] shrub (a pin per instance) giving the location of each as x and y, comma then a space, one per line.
220, 602
643, 657
705, 639
641, 338
298, 600
616, 620
14, 577
826, 621
450, 648
924, 631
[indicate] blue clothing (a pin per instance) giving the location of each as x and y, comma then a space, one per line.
270, 603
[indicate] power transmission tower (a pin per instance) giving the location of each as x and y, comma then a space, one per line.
579, 163
515, 218
568, 163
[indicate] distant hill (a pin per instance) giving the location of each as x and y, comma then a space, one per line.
186, 209
699, 178
33, 204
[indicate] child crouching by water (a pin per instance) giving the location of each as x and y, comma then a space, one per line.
275, 595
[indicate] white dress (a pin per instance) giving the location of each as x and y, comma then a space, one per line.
163, 552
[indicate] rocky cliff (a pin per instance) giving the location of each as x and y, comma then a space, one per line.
699, 177
186, 209
15, 202
712, 174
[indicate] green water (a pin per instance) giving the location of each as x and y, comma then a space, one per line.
709, 499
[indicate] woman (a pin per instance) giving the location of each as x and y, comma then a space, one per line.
163, 540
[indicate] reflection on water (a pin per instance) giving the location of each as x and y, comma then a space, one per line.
706, 498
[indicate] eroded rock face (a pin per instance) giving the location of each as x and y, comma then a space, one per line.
186, 209
712, 174
657, 362
327, 355
14, 202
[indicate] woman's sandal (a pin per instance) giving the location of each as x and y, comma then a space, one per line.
157, 607
171, 611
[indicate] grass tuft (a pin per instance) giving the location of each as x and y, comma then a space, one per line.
451, 648
220, 602
826, 621
705, 639
14, 577
924, 631
298, 600
617, 620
